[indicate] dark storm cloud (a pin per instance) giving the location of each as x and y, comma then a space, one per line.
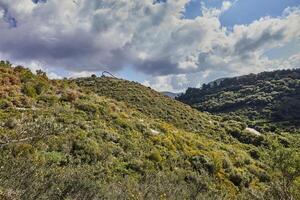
161, 66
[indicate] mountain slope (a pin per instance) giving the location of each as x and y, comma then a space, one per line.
104, 138
148, 101
271, 98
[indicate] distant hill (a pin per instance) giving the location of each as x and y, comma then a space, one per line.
107, 138
171, 94
266, 100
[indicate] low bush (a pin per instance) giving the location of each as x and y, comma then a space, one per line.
40, 88
29, 90
254, 154
202, 162
4, 104
50, 100
248, 138
70, 96
11, 123
89, 108
236, 178
155, 156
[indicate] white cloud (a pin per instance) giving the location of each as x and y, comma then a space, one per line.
53, 75
81, 74
168, 83
91, 35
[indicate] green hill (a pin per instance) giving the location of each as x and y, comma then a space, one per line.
106, 138
267, 101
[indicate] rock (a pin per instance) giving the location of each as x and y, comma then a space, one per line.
251, 130
154, 132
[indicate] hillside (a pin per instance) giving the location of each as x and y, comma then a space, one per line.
106, 138
267, 101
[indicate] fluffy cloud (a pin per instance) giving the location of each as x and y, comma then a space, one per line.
151, 36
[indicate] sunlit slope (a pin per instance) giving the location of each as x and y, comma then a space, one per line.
148, 101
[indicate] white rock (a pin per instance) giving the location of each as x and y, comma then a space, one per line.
251, 130
17, 108
154, 132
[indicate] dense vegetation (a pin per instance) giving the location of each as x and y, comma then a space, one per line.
105, 138
267, 101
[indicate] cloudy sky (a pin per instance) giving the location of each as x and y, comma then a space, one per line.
166, 44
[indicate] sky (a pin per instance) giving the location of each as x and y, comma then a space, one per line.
168, 45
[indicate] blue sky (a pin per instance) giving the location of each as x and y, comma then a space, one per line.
242, 11
165, 44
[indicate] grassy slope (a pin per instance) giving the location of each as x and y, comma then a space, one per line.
268, 100
108, 139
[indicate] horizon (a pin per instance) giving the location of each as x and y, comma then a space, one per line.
166, 45
99, 75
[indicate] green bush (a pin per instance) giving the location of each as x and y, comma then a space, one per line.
69, 96
155, 156
202, 162
54, 157
48, 99
40, 88
11, 123
89, 108
5, 63
4, 104
26, 75
236, 178
248, 138
254, 154
29, 90
240, 178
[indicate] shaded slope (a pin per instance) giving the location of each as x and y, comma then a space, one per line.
267, 98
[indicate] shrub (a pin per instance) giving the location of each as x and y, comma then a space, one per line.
48, 99
70, 96
23, 149
202, 162
41, 73
54, 157
40, 88
286, 164
5, 63
11, 123
5, 104
227, 165
136, 165
236, 178
122, 123
254, 154
29, 90
90, 108
247, 137
155, 156
25, 75
263, 176
239, 178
